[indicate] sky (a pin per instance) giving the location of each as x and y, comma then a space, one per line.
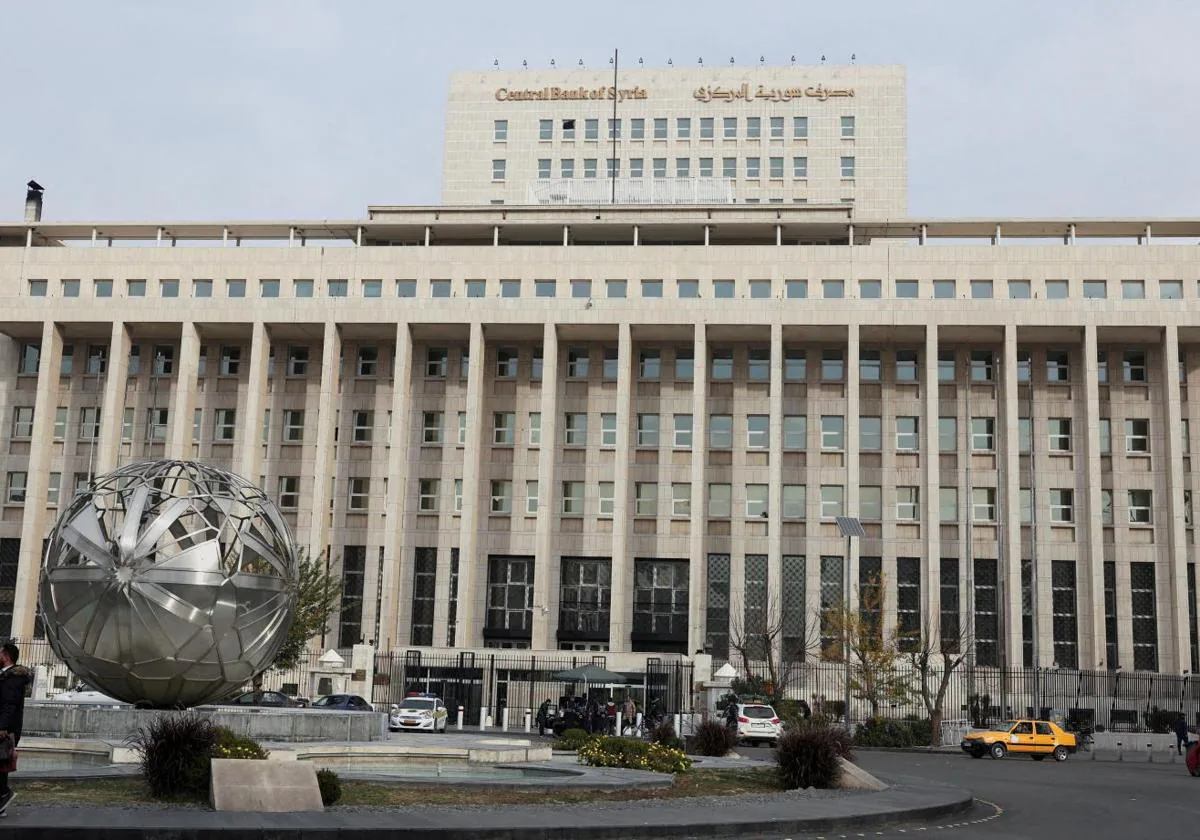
313, 109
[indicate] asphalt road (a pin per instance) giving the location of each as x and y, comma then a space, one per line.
1077, 799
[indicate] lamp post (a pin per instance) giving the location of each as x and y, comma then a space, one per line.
849, 527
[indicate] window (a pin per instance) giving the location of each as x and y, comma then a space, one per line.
1145, 616
543, 168
946, 366
637, 128
659, 167
907, 369
847, 128
729, 167
501, 494
681, 500
775, 165
832, 578
909, 504
22, 421
949, 619
431, 427
660, 605
17, 482
706, 167
1133, 365
60, 422
1130, 289
504, 428
706, 128
1058, 366
647, 430
724, 289
37, 288
756, 501
498, 169
544, 288
847, 167
157, 420
1137, 436
729, 126
660, 128
510, 596
720, 501
870, 365
224, 424
506, 362
1024, 435
800, 167
500, 130
1095, 290
297, 364
428, 491
364, 426
137, 288
293, 426
758, 431
720, 431
832, 500
794, 501
572, 498
800, 128
981, 289
31, 358
833, 432
1060, 434
1140, 507
359, 495
754, 127
1019, 289
612, 364
832, 366
760, 290
982, 366
944, 289
685, 364
127, 424
683, 167
795, 432
608, 429
436, 362
581, 288
722, 365
948, 504
833, 289
1170, 290
983, 434
870, 433
135, 360
535, 428
758, 364
1057, 290
577, 363
535, 364
367, 362
907, 434
649, 364
683, 431
1062, 506
1185, 436
1106, 507
615, 288
1065, 626
870, 503
233, 288
645, 498
983, 504
531, 498
605, 489
688, 289
1105, 433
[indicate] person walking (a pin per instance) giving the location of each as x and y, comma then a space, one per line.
543, 717
1181, 733
13, 680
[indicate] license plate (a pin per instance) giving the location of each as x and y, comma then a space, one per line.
408, 723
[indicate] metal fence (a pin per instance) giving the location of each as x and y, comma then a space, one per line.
487, 684
1115, 700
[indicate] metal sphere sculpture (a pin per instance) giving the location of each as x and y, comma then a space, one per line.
169, 583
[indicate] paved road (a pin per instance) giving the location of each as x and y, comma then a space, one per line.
1076, 800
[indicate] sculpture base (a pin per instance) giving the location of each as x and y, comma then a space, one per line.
240, 784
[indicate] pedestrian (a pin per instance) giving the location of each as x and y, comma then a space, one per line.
13, 680
543, 717
1181, 733
630, 714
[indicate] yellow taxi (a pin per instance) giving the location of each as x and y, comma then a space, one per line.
1034, 738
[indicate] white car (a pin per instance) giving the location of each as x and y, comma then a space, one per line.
419, 713
756, 722
84, 695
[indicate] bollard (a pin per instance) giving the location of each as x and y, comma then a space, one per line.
483, 718
504, 719
639, 720
1120, 751
460, 718
679, 725
528, 720
1149, 753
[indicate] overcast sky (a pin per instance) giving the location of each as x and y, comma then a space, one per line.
246, 109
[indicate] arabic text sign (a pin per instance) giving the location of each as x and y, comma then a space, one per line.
708, 93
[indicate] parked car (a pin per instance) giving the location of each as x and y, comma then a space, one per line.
752, 722
419, 712
342, 703
84, 695
1034, 738
265, 699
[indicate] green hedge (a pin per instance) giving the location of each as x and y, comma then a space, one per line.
632, 754
897, 734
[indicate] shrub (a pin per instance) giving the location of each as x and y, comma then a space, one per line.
712, 738
808, 757
231, 745
664, 734
175, 752
330, 785
1159, 720
898, 734
631, 754
572, 739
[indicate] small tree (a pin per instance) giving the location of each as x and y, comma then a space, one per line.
935, 663
874, 656
774, 642
318, 596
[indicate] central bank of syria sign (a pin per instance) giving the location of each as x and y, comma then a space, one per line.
561, 94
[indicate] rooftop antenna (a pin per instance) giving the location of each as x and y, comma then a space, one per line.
670, 63
852, 57
581, 62
552, 62
525, 64
731, 59
793, 59
822, 59
496, 64
639, 61
762, 59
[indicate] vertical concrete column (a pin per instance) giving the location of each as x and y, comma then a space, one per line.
35, 519
327, 402
183, 400
1090, 578
1179, 641
546, 572
1009, 496
396, 548
698, 579
472, 593
775, 485
932, 516
851, 492
250, 460
113, 411
620, 621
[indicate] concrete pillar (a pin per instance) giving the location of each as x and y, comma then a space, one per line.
36, 520
775, 487
396, 549
851, 489
112, 413
698, 579
331, 351
1090, 578
251, 458
546, 568
932, 514
1178, 658
621, 622
183, 399
1009, 497
472, 593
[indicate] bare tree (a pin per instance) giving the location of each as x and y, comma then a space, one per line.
773, 642
934, 658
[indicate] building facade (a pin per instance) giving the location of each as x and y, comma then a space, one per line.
819, 134
631, 430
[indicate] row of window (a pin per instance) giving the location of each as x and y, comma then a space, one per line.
752, 128
831, 289
751, 168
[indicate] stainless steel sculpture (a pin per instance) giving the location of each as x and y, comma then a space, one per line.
169, 583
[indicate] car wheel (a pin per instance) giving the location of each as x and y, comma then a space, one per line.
998, 750
1038, 757
1060, 753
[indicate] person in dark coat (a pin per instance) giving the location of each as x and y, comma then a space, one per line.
543, 717
13, 680
1181, 734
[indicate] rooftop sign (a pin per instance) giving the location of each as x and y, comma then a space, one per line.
708, 93
567, 94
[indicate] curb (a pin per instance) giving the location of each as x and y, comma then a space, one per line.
674, 819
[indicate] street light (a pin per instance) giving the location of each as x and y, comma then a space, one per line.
849, 527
